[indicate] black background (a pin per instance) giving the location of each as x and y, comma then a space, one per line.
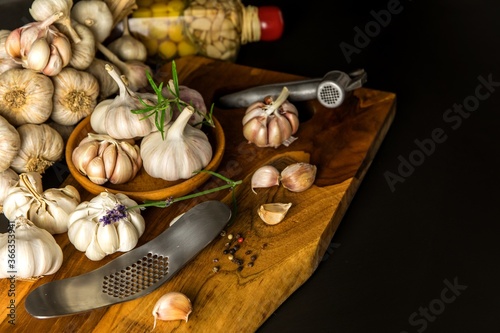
395, 249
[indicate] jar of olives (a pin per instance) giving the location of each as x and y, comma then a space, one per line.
211, 28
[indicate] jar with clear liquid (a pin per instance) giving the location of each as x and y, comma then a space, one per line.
211, 28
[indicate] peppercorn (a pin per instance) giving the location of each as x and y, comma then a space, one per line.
248, 252
230, 236
240, 268
230, 257
223, 233
236, 247
215, 269
225, 251
253, 257
232, 251
240, 239
250, 264
216, 260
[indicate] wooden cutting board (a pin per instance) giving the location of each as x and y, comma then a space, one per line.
340, 142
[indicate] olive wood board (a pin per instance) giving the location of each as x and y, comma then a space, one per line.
341, 142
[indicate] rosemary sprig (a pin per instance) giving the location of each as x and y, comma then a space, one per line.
230, 184
164, 105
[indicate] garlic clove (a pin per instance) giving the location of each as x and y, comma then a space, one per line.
298, 177
265, 176
273, 213
83, 154
39, 55
255, 131
109, 158
95, 171
172, 306
123, 169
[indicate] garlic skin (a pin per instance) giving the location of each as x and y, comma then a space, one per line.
41, 146
102, 159
25, 96
37, 252
75, 96
127, 47
48, 209
95, 15
185, 150
298, 177
104, 225
10, 143
173, 305
273, 213
271, 123
115, 118
264, 177
8, 178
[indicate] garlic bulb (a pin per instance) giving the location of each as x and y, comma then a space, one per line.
191, 97
298, 177
48, 209
107, 85
185, 150
64, 130
135, 71
25, 96
115, 117
36, 251
10, 143
104, 225
127, 47
6, 61
273, 213
42, 9
102, 159
271, 123
172, 306
40, 46
265, 176
41, 146
75, 96
95, 15
83, 52
8, 179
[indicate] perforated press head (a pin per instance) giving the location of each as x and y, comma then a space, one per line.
330, 94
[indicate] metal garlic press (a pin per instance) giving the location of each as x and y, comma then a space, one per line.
330, 91
135, 273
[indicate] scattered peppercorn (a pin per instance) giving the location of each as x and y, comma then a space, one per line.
237, 236
216, 260
240, 239
227, 244
250, 264
215, 269
264, 246
232, 251
253, 257
236, 247
240, 268
248, 252
223, 233
230, 236
230, 257
225, 251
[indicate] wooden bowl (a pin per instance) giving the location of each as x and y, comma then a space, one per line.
143, 186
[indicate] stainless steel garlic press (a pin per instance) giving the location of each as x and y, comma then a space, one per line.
330, 91
135, 273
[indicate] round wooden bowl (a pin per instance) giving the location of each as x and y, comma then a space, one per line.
143, 186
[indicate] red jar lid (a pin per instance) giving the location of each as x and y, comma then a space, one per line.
271, 23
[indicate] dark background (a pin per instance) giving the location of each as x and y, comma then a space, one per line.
397, 250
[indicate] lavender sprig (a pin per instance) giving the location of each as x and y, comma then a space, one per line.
114, 215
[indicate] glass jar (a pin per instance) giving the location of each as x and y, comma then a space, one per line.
211, 28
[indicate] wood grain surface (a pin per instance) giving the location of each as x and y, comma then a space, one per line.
340, 142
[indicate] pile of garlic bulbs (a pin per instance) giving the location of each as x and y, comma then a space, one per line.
52, 75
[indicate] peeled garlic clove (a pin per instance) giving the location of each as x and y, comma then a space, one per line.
265, 176
298, 177
172, 306
273, 213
